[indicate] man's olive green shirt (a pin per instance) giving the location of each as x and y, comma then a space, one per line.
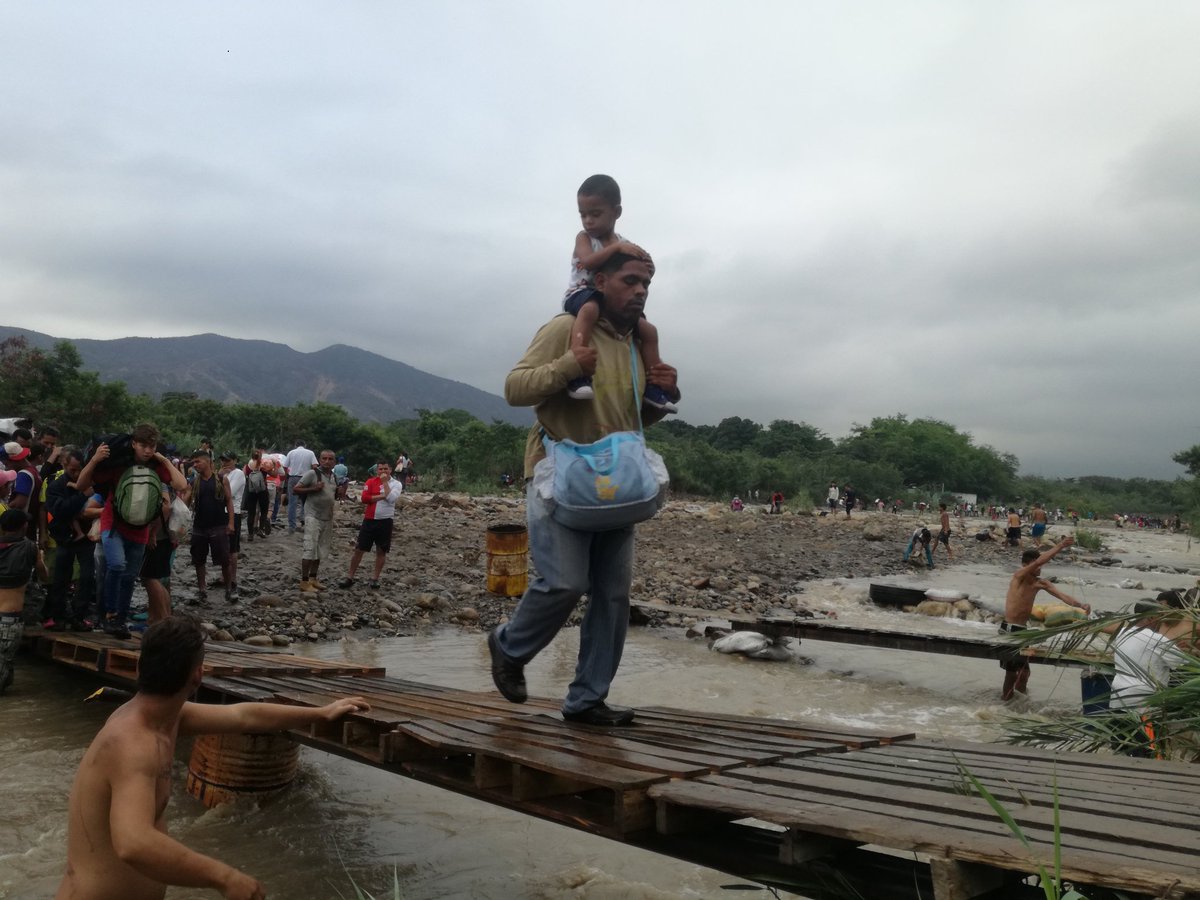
540, 380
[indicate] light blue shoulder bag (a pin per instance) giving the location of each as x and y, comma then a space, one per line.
612, 483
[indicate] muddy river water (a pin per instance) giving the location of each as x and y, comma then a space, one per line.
343, 821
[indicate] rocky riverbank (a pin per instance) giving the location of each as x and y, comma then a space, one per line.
692, 557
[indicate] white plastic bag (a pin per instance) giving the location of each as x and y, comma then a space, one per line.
180, 522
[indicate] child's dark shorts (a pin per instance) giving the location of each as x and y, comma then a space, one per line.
575, 301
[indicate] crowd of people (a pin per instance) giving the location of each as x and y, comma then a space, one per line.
82, 527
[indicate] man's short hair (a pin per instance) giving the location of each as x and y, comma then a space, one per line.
22, 434
171, 650
1029, 556
49, 430
383, 462
145, 433
1173, 598
74, 453
603, 186
617, 260
13, 521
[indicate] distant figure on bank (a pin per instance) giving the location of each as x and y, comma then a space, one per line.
117, 841
1039, 523
777, 502
943, 535
599, 199
1014, 528
1022, 588
986, 534
920, 538
258, 497
341, 476
317, 488
380, 495
299, 462
849, 497
833, 496
736, 504
212, 526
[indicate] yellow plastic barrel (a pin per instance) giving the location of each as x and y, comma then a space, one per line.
508, 559
224, 767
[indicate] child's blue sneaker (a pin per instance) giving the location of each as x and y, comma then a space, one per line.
657, 397
580, 389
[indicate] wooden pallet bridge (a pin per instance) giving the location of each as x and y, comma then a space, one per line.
967, 645
802, 806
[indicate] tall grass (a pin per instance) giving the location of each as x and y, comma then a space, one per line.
1088, 540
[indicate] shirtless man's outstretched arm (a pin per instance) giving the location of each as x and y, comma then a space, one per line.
117, 842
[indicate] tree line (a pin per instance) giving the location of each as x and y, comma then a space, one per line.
892, 457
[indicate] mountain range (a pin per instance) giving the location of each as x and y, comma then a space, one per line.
368, 386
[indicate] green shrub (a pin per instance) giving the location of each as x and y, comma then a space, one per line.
1088, 540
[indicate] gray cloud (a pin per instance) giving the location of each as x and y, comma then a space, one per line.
985, 216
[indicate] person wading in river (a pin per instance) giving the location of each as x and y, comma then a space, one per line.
117, 842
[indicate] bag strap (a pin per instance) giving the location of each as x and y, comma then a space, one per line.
633, 368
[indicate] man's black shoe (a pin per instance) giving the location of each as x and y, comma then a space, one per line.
509, 676
601, 714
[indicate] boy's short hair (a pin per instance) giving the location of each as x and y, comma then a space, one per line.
1029, 556
14, 520
171, 650
383, 462
145, 433
603, 186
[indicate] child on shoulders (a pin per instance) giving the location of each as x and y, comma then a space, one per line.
599, 199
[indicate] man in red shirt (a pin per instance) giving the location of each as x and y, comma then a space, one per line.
125, 544
380, 495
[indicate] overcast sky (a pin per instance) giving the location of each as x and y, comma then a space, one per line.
987, 214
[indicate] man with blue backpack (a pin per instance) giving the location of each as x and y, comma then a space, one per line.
131, 474
577, 559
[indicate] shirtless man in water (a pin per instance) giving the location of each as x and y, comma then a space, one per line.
1024, 586
117, 842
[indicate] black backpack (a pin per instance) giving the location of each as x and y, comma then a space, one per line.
120, 451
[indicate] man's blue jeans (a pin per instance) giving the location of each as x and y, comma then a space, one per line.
570, 564
123, 564
295, 504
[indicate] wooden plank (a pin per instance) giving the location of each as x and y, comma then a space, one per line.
990, 844
1117, 764
929, 798
781, 727
1157, 797
950, 645
904, 813
543, 759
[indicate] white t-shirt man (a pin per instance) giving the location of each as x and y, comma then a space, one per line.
237, 488
300, 461
1144, 659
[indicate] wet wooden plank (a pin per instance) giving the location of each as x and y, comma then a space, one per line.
901, 811
1158, 797
987, 841
855, 738
967, 646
